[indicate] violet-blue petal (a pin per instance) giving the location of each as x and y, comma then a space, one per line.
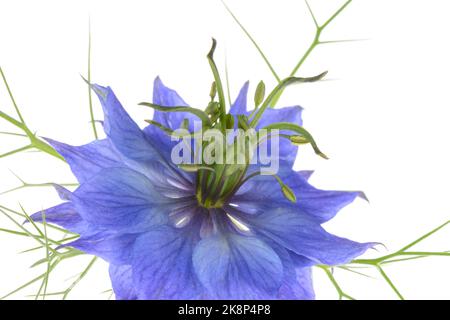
287, 150
240, 104
115, 248
296, 284
122, 282
305, 174
232, 266
63, 215
285, 114
297, 281
262, 194
304, 236
322, 204
119, 199
300, 287
63, 193
162, 265
124, 133
87, 160
167, 97
300, 261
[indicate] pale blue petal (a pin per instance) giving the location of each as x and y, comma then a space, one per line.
297, 282
63, 193
287, 150
122, 282
120, 199
284, 114
87, 160
321, 204
63, 215
240, 104
300, 286
304, 236
114, 248
162, 264
262, 193
124, 133
233, 266
167, 97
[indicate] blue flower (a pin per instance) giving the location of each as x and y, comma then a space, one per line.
138, 211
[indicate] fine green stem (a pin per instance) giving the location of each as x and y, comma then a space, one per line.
12, 120
272, 70
219, 85
91, 109
316, 41
332, 279
54, 264
319, 28
24, 216
269, 101
35, 142
80, 277
35, 237
12, 97
13, 134
424, 236
37, 185
44, 284
308, 52
410, 255
391, 284
402, 251
227, 80
10, 153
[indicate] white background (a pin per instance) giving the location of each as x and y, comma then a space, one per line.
383, 120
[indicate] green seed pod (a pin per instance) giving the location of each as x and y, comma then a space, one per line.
260, 93
297, 140
194, 167
229, 121
288, 193
213, 91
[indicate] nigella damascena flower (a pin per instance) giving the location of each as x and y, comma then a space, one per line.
141, 213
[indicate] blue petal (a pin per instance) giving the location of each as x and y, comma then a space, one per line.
240, 104
63, 193
297, 282
124, 133
232, 266
65, 216
300, 261
306, 174
119, 199
321, 204
262, 194
167, 97
114, 248
162, 265
287, 150
122, 282
87, 160
300, 287
285, 114
304, 236
162, 142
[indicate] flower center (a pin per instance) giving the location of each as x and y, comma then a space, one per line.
216, 186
